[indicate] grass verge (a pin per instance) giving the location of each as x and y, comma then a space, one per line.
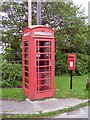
62, 89
13, 94
47, 115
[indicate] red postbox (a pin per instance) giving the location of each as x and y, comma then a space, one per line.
38, 62
71, 61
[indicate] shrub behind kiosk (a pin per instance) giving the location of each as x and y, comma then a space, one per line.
38, 62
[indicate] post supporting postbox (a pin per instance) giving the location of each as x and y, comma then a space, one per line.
70, 79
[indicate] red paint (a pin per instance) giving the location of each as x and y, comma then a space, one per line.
38, 62
71, 61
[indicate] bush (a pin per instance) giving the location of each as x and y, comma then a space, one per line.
61, 64
11, 74
82, 64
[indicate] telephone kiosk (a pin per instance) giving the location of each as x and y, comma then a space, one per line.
38, 62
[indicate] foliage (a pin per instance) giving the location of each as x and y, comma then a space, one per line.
66, 19
71, 36
61, 64
12, 24
62, 88
71, 30
13, 93
82, 62
11, 74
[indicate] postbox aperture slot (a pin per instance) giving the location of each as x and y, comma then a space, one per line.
71, 57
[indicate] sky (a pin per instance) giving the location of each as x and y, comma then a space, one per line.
84, 3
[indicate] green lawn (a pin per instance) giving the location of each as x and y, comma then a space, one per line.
62, 89
13, 94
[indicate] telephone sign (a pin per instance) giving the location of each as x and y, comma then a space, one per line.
71, 61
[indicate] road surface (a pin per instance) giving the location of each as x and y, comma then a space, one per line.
80, 113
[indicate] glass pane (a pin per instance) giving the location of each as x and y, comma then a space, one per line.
26, 74
26, 43
26, 86
26, 68
26, 80
43, 50
42, 63
26, 49
26, 56
45, 75
26, 62
37, 63
47, 56
44, 43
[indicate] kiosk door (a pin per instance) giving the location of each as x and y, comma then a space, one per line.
43, 65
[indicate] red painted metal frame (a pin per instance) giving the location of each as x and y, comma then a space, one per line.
32, 74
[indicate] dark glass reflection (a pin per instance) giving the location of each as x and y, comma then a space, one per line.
26, 43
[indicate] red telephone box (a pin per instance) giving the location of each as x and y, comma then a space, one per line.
71, 61
38, 62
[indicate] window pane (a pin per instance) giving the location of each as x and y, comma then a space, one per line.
26, 80
26, 86
26, 74
26, 68
26, 62
26, 56
26, 43
26, 49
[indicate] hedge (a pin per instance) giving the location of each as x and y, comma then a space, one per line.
12, 73
82, 64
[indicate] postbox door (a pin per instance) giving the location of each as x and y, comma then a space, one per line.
71, 61
44, 60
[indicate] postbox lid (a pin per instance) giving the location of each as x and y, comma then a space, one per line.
71, 55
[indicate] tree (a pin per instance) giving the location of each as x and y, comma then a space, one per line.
69, 24
12, 24
65, 18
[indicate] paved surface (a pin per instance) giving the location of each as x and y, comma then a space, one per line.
80, 113
33, 107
